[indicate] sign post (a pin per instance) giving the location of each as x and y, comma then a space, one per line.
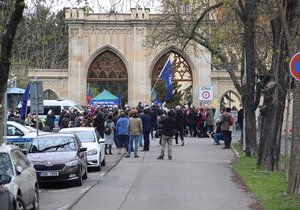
295, 66
206, 93
36, 100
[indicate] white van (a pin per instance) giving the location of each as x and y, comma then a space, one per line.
56, 106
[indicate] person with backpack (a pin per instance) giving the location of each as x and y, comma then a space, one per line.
109, 127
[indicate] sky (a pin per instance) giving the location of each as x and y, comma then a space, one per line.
103, 5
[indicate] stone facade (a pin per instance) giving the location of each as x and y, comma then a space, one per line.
122, 34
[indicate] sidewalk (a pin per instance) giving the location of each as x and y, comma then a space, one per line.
199, 177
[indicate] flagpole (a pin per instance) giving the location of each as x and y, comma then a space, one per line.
158, 78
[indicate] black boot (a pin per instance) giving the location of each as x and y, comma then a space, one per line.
110, 153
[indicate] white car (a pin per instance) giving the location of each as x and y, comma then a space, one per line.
20, 134
91, 139
22, 181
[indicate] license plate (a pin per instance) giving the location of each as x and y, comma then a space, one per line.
49, 173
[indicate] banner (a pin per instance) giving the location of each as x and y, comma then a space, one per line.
88, 94
24, 101
166, 75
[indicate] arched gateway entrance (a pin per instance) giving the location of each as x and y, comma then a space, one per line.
182, 77
108, 71
108, 51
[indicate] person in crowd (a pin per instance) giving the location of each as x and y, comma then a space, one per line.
98, 121
61, 116
122, 131
109, 137
65, 122
240, 118
209, 119
29, 120
50, 119
147, 127
192, 122
201, 123
217, 135
179, 116
225, 127
168, 129
135, 130
153, 115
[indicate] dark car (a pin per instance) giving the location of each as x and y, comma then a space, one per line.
6, 198
58, 157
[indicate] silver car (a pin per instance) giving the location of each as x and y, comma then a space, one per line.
95, 145
22, 180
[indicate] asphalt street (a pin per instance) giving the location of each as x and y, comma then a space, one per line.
199, 177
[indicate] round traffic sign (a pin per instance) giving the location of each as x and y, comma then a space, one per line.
205, 94
295, 66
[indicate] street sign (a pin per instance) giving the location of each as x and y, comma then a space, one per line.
295, 66
206, 93
36, 97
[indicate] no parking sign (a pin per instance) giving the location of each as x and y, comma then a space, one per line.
206, 93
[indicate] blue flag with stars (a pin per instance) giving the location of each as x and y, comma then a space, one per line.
166, 75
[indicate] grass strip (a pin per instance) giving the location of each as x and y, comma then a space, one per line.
269, 187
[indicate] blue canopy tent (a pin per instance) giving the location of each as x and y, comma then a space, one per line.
105, 98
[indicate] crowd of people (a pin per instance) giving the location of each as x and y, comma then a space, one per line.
129, 127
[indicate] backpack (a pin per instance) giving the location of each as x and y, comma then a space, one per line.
107, 129
231, 121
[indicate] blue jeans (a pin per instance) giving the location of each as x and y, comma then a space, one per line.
136, 139
217, 137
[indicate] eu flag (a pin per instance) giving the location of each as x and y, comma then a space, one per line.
24, 100
166, 75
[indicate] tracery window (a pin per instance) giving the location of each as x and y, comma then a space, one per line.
107, 66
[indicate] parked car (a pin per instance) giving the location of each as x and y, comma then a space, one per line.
6, 198
20, 135
22, 180
58, 157
90, 138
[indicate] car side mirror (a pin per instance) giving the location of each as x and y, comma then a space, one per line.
101, 141
4, 179
19, 170
83, 149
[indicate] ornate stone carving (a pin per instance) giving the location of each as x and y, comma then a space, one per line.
74, 32
107, 30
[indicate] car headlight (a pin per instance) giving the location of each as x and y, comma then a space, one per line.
72, 163
92, 152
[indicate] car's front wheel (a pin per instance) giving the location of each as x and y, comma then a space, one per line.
35, 203
78, 182
20, 204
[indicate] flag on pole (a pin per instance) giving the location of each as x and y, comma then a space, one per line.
24, 101
166, 75
88, 94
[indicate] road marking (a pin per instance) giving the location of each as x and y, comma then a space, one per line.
64, 207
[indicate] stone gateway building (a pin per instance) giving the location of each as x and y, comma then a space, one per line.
107, 52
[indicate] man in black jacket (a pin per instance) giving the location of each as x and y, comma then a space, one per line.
168, 129
179, 116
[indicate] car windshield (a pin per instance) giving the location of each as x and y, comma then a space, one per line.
84, 136
5, 164
53, 144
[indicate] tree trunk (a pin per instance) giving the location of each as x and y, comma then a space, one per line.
9, 32
294, 171
274, 103
248, 90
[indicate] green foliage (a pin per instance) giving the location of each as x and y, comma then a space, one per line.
269, 187
161, 94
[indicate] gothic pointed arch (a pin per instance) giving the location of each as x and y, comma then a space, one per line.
49, 95
182, 75
230, 99
108, 71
